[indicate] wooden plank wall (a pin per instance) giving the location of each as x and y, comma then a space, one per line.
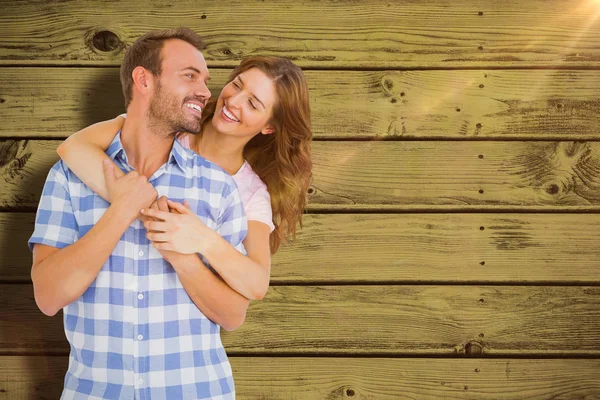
450, 247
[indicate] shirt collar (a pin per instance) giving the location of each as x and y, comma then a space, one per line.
178, 155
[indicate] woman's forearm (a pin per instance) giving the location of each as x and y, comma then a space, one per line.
219, 302
247, 275
84, 153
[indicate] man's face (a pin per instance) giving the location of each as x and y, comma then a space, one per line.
181, 90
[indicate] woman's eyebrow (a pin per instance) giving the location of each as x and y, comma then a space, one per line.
253, 95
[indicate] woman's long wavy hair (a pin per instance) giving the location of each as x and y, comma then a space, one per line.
283, 159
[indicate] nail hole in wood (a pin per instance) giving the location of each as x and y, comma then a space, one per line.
480, 13
481, 85
480, 156
481, 191
2, 101
402, 94
203, 16
480, 47
481, 228
477, 370
457, 109
478, 126
482, 263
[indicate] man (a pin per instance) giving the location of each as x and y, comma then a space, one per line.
133, 320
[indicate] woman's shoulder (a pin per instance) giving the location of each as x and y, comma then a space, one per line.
247, 179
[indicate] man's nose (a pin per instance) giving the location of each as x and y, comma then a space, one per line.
202, 90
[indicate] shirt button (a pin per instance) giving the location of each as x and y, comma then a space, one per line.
141, 253
140, 381
140, 337
140, 296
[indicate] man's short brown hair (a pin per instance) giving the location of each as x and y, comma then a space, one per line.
146, 52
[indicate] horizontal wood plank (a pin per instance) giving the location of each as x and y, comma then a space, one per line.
374, 33
529, 104
392, 175
449, 248
384, 320
37, 378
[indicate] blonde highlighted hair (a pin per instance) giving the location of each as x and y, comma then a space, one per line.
283, 159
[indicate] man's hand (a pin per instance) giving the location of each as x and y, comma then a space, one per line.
130, 193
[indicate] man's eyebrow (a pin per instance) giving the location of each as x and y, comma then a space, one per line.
196, 70
253, 95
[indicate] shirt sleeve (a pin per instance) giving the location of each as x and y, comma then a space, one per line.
258, 208
232, 224
55, 223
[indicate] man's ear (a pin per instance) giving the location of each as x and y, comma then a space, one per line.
268, 130
143, 79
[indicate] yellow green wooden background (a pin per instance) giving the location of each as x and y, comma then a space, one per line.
451, 246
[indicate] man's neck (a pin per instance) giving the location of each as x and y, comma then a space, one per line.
146, 146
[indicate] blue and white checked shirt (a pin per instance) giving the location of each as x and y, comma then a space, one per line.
135, 333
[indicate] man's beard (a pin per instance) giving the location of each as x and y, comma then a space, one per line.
167, 116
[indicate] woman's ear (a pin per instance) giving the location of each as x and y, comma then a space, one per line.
268, 130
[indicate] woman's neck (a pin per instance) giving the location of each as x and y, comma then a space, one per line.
225, 151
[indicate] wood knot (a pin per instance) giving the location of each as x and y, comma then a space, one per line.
474, 348
2, 100
311, 190
203, 16
389, 86
227, 52
478, 126
552, 189
480, 13
8, 151
481, 85
350, 393
480, 48
106, 41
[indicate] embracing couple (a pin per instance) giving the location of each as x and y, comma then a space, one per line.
156, 228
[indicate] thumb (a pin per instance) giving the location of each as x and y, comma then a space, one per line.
109, 172
180, 208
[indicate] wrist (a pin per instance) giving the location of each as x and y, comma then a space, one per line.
124, 210
212, 245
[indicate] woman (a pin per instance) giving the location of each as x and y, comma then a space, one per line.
259, 131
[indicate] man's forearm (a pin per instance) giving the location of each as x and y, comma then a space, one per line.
62, 277
219, 302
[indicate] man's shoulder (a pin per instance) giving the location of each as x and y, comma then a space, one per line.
203, 168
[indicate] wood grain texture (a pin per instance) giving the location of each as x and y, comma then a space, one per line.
393, 175
373, 33
529, 104
384, 320
41, 378
410, 248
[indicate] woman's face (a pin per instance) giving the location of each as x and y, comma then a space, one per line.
245, 105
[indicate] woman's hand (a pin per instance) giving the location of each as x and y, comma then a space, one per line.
180, 230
